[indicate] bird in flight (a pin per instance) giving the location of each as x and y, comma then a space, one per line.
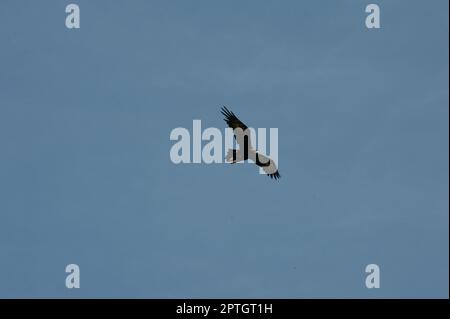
246, 150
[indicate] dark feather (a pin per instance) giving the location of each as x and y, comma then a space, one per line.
232, 119
275, 175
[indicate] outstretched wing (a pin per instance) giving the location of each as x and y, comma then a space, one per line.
240, 130
232, 119
267, 164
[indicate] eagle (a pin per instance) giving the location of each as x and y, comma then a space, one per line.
246, 150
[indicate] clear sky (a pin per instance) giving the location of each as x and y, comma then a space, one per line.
86, 178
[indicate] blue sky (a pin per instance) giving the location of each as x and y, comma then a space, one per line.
86, 178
